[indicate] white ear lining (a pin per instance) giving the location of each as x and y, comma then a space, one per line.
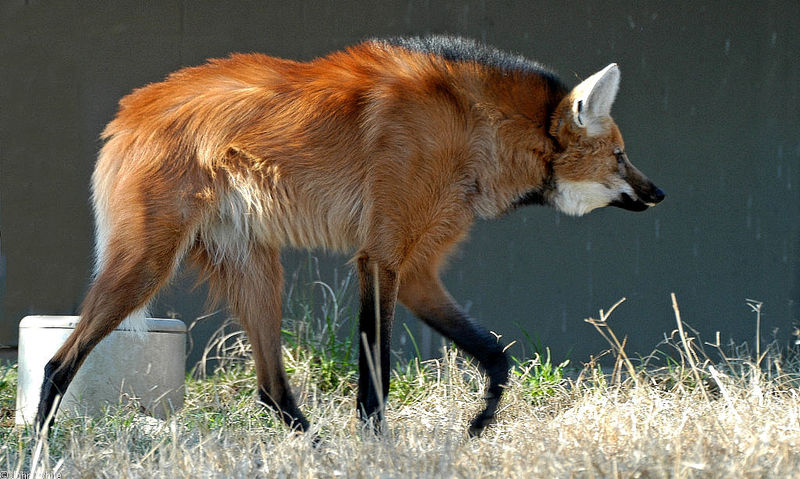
592, 99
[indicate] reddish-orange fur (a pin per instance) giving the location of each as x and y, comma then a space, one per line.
380, 150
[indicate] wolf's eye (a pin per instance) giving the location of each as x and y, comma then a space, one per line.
621, 165
620, 155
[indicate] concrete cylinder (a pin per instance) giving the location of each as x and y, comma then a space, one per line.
148, 368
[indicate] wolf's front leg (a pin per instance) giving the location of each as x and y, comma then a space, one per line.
425, 295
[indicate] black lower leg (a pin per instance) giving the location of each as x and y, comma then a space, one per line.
49, 398
58, 375
57, 378
375, 343
478, 342
497, 371
287, 410
373, 367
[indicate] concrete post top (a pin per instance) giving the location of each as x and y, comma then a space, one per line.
154, 325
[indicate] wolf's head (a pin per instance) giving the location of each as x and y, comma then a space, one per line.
592, 169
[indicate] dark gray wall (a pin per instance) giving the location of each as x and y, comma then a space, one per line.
708, 106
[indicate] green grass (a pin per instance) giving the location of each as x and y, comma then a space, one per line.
539, 377
690, 409
8, 392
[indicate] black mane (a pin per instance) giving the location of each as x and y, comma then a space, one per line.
459, 49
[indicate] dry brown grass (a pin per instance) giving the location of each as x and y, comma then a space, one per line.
736, 416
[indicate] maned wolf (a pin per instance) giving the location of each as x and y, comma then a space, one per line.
389, 150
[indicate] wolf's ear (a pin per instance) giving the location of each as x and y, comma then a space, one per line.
592, 100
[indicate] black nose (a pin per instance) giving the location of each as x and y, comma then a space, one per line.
659, 195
